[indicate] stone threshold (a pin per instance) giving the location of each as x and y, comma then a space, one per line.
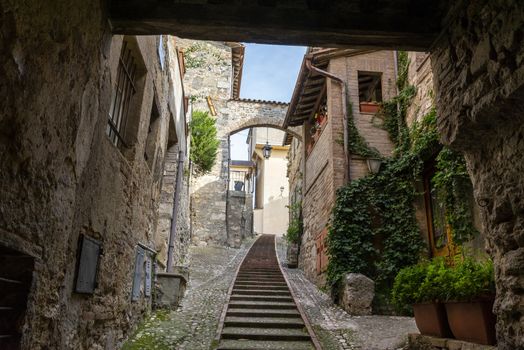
426, 342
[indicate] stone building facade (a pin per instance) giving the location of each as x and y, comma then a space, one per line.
323, 166
212, 81
67, 192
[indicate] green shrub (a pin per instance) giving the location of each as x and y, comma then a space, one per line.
292, 234
204, 142
470, 280
294, 229
435, 281
407, 285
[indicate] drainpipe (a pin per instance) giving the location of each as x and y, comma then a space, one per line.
339, 80
176, 203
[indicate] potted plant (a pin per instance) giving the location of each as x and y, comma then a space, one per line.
470, 295
292, 236
369, 107
421, 287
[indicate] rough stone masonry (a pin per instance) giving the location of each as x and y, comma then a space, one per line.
209, 80
479, 73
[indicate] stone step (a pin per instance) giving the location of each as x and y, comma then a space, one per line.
271, 268
261, 279
255, 282
253, 297
264, 345
283, 313
264, 322
256, 291
244, 304
264, 333
261, 287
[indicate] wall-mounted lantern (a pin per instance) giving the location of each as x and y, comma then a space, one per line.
281, 191
266, 150
374, 165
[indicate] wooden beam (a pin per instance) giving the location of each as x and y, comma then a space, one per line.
330, 26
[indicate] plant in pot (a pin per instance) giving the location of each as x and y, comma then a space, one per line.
470, 297
292, 236
423, 286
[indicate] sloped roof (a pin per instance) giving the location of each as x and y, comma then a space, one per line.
310, 84
237, 62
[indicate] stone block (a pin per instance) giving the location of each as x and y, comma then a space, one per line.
292, 255
170, 287
357, 294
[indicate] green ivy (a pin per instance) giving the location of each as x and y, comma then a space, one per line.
452, 181
295, 226
373, 228
357, 145
204, 142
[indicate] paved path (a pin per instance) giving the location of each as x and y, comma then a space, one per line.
193, 325
335, 328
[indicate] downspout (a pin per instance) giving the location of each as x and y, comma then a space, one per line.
339, 80
176, 204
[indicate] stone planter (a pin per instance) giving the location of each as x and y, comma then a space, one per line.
170, 287
292, 255
431, 319
369, 107
472, 321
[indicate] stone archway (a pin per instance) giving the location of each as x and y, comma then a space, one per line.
209, 199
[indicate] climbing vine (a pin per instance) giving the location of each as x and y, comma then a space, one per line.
373, 228
357, 145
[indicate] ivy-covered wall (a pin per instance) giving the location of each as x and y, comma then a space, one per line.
375, 229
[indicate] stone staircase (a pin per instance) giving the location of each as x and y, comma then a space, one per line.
261, 313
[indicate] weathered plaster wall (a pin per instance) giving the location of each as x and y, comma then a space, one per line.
478, 66
62, 177
209, 73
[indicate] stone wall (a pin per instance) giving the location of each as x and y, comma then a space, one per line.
478, 65
60, 175
165, 213
239, 217
209, 74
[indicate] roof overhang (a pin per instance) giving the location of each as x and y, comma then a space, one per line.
311, 85
237, 63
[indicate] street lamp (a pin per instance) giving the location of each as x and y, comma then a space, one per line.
374, 165
266, 150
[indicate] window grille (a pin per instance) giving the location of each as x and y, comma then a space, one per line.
122, 95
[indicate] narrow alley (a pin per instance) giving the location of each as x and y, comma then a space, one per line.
194, 324
261, 174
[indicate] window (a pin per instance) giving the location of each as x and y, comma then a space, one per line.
152, 133
369, 91
126, 88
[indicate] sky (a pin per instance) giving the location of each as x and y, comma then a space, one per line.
269, 73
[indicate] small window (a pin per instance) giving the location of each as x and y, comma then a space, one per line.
129, 74
152, 134
370, 86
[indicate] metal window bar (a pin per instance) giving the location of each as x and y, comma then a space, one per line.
120, 101
237, 177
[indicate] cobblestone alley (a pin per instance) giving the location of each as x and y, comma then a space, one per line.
193, 326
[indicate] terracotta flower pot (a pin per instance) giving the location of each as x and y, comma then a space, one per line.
431, 319
472, 321
369, 107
